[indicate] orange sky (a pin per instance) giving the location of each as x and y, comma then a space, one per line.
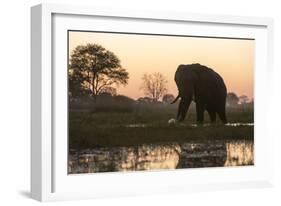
233, 59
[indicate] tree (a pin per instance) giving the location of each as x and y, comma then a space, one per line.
243, 99
92, 68
232, 99
75, 87
154, 85
168, 98
109, 90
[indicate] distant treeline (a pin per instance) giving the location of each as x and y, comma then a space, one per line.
108, 102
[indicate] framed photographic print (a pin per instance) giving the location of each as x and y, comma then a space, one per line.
137, 102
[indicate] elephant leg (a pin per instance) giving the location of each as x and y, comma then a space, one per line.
200, 113
222, 115
212, 115
179, 109
184, 105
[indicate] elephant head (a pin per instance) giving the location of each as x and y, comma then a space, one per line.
185, 79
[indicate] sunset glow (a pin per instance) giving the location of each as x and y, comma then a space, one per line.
233, 59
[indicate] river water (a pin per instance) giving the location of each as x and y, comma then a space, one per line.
162, 156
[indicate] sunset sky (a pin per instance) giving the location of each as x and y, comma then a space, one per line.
233, 59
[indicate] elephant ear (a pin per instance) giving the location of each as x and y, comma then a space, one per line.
194, 74
186, 79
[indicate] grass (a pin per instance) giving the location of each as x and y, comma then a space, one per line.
88, 129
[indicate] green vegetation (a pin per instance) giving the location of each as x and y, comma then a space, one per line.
150, 125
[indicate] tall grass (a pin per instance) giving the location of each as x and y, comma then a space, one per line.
91, 129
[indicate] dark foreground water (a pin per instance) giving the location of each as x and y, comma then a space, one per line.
161, 156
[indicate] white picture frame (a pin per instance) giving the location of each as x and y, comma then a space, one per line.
48, 150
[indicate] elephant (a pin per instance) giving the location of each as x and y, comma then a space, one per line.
205, 87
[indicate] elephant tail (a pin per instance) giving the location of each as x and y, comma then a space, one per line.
176, 99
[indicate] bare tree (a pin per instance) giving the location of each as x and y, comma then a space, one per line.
154, 85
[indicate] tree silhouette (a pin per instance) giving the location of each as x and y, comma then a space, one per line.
243, 99
154, 85
168, 98
75, 87
232, 99
92, 68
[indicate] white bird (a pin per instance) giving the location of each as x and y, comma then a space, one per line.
172, 121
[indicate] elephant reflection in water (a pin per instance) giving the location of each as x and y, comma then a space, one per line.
205, 87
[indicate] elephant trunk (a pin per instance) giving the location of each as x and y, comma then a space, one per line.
183, 108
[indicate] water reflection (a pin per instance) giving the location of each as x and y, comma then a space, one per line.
233, 124
237, 124
239, 153
162, 156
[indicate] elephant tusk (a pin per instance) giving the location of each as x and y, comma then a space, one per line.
176, 99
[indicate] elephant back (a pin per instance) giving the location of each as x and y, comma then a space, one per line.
205, 76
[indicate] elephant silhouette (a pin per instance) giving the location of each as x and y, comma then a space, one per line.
205, 87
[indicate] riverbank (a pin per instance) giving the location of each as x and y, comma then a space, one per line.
88, 130
129, 136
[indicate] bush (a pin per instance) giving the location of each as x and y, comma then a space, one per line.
104, 103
